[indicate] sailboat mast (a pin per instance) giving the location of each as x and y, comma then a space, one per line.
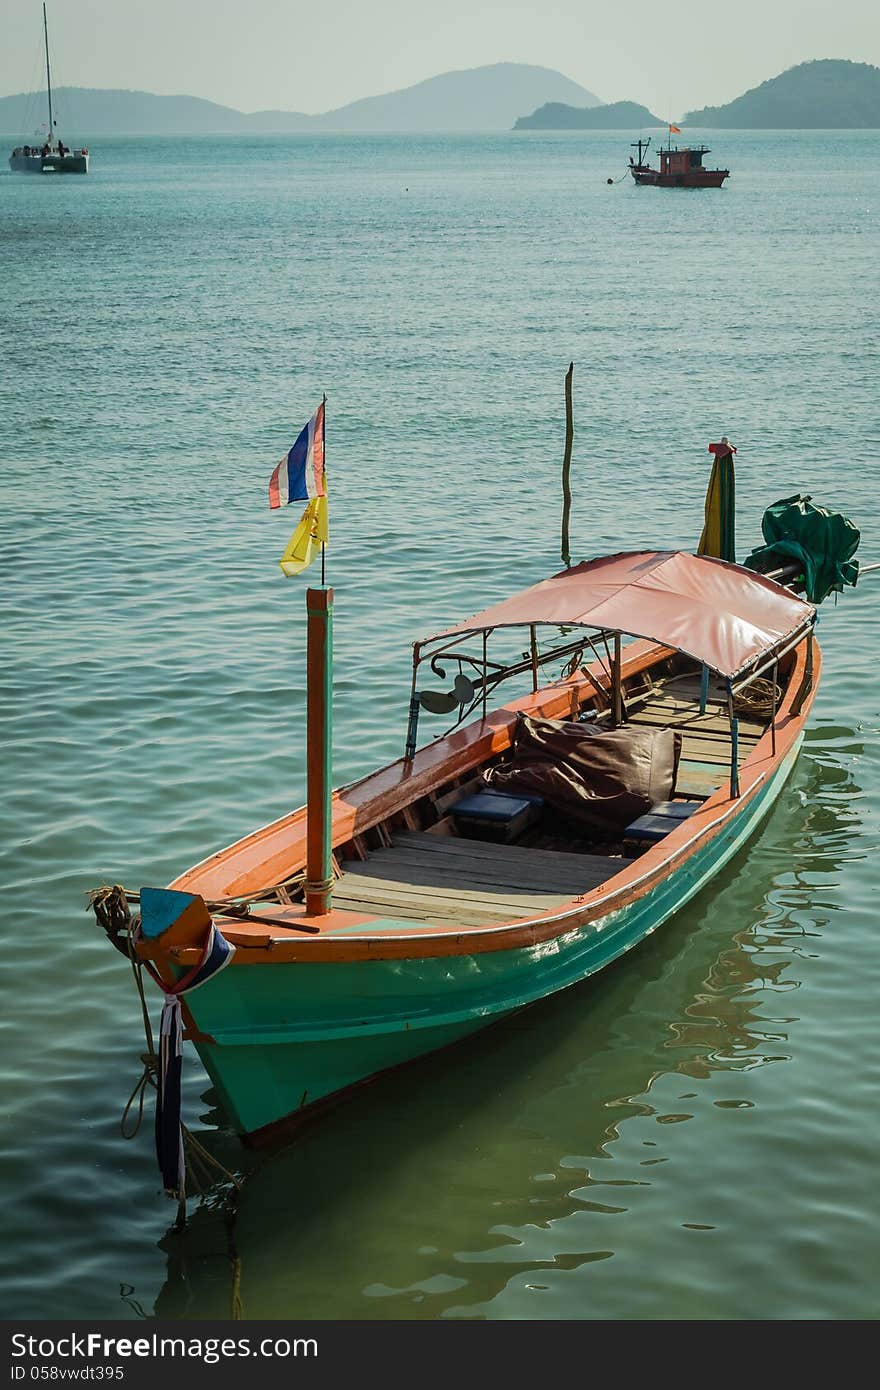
48, 73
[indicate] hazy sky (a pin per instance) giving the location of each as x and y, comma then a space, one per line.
256, 54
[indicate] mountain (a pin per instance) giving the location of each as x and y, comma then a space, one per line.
82, 110
617, 115
478, 99
487, 98
826, 94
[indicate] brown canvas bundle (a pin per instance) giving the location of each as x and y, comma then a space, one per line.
601, 778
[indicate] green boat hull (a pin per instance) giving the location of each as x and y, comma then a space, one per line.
285, 1036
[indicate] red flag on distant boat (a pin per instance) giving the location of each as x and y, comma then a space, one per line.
300, 475
675, 130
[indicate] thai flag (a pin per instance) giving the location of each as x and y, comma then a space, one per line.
300, 476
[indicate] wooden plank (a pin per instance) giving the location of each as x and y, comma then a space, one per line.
436, 899
479, 876
446, 827
393, 906
687, 687
700, 779
425, 877
396, 876
703, 738
553, 859
352, 903
712, 746
690, 716
695, 723
706, 750
409, 866
671, 700
686, 708
452, 850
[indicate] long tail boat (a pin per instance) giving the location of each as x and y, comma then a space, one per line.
515, 855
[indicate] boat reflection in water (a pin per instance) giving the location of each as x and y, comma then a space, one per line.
622, 1150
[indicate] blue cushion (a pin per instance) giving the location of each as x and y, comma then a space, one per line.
494, 806
649, 828
677, 810
661, 820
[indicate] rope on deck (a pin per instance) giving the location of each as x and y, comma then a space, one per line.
759, 699
111, 904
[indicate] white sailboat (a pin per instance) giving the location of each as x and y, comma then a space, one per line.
49, 155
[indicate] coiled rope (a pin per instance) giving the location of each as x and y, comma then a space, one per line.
110, 904
760, 698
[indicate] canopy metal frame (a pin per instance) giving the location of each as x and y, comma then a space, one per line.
490, 674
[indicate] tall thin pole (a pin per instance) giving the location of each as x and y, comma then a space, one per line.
734, 744
412, 728
324, 422
48, 73
566, 468
319, 793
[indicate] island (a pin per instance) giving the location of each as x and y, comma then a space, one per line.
825, 94
616, 115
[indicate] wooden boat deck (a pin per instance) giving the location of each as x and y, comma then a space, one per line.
425, 877
705, 752
429, 877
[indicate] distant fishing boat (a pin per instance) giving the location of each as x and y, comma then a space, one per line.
49, 155
679, 167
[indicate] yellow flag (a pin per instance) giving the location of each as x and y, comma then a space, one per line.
313, 532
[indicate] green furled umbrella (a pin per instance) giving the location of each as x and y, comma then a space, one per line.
719, 529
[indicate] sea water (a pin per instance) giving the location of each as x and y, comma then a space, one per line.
693, 1133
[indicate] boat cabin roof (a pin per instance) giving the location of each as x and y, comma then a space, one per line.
723, 615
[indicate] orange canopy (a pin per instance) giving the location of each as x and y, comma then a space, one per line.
721, 614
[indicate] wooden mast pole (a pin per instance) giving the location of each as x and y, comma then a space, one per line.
566, 468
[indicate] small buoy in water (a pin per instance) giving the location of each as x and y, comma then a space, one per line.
609, 180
